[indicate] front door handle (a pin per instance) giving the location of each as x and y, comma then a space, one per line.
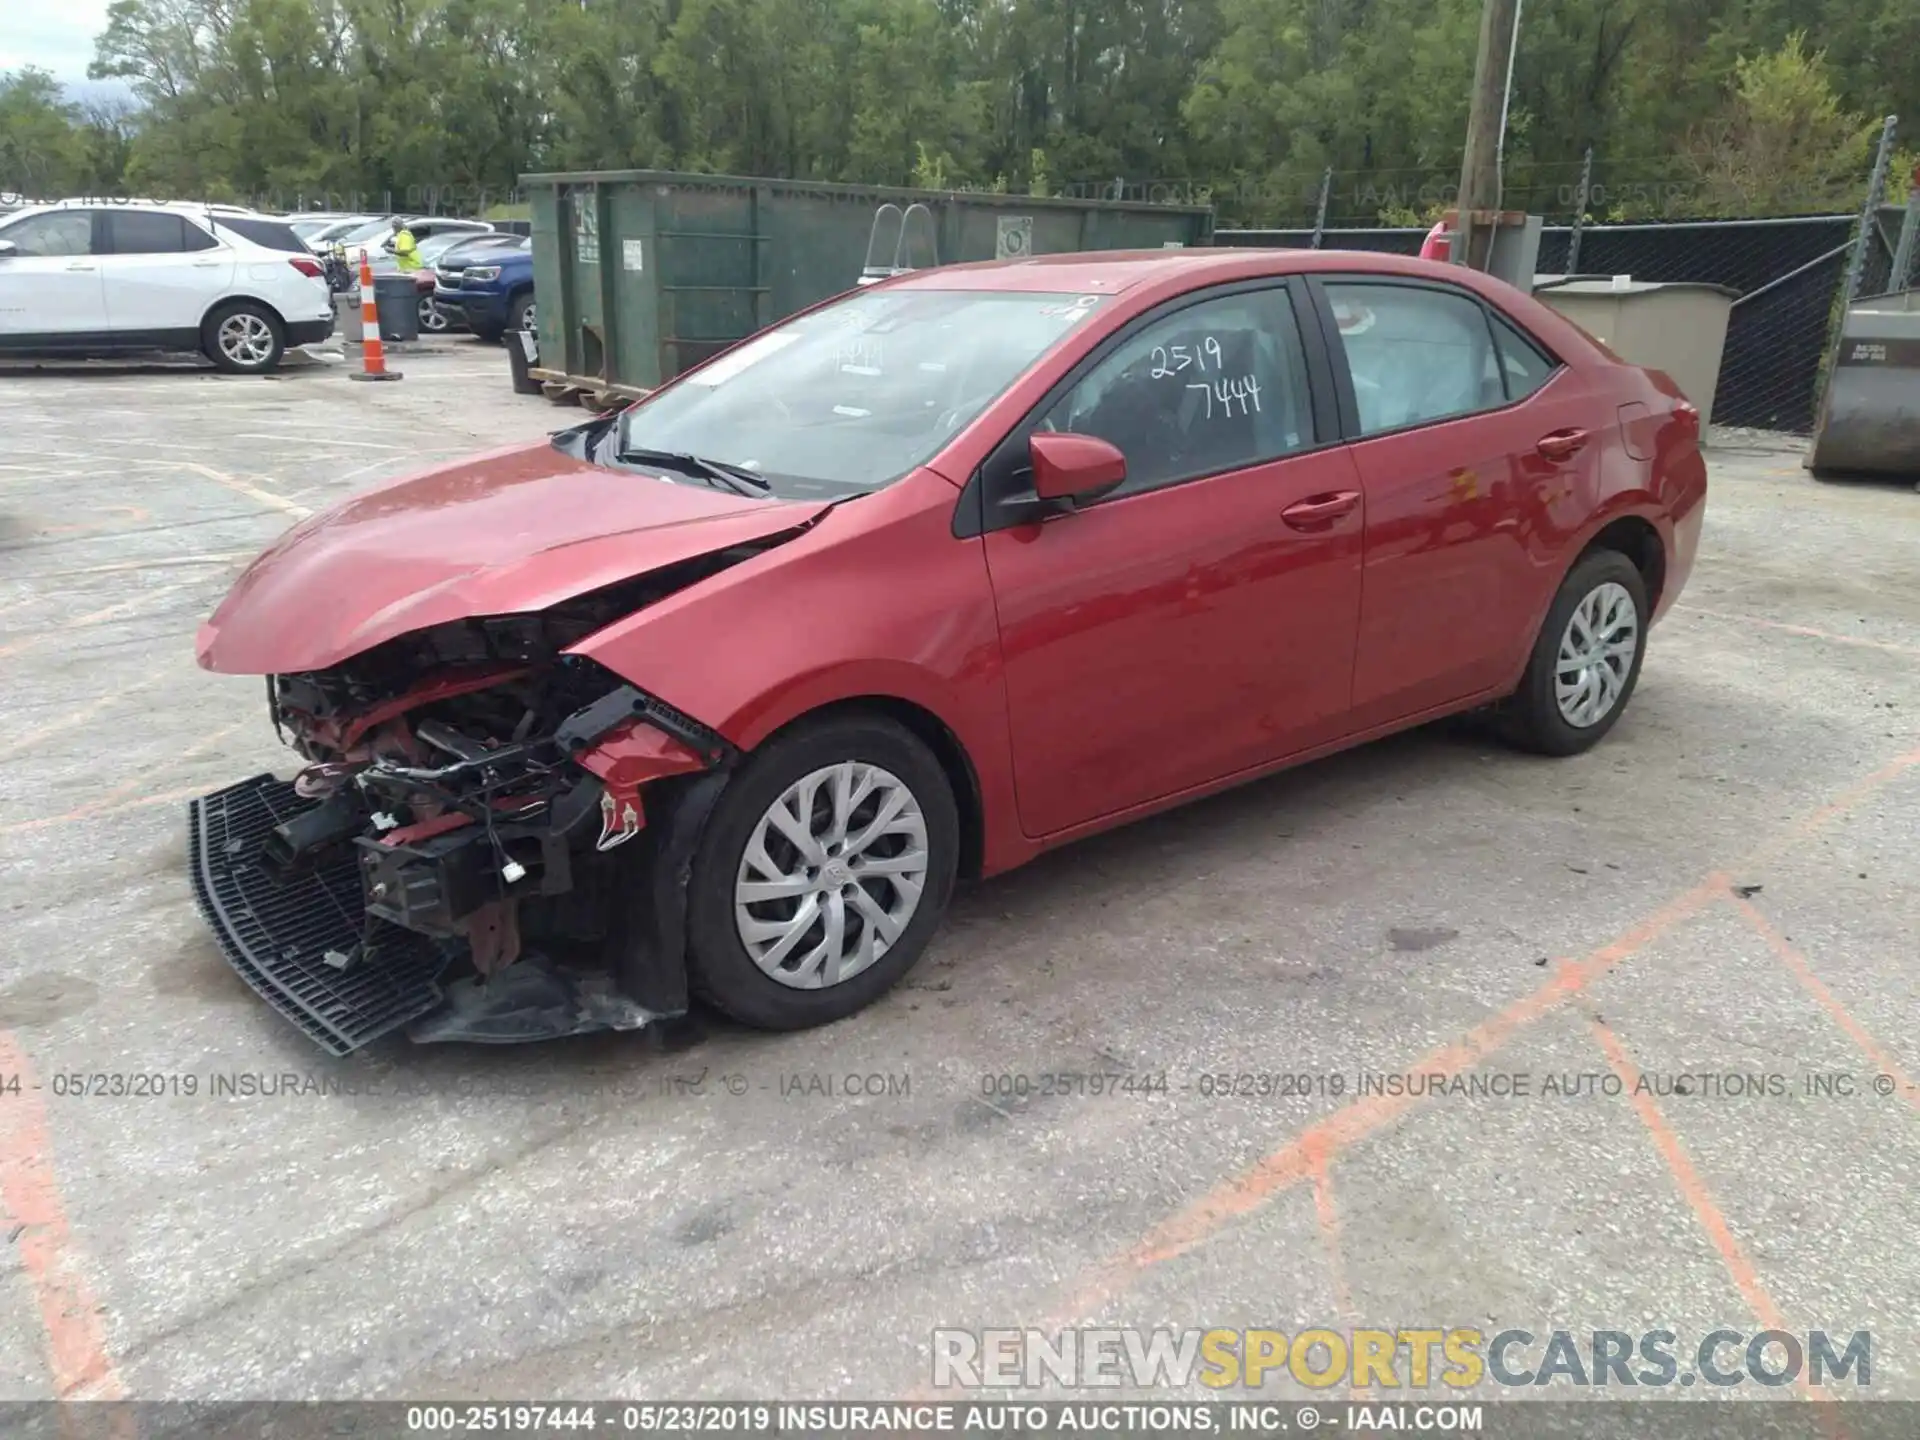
1561, 444
1321, 510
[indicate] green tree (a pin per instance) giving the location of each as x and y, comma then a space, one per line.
43, 150
1781, 142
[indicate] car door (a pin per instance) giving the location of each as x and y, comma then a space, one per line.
162, 273
50, 282
1444, 440
1199, 620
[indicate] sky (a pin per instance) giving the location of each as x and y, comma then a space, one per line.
54, 36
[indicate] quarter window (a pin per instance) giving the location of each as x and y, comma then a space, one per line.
1525, 368
1216, 386
61, 232
1415, 354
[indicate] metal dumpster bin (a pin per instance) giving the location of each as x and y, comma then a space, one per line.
1679, 328
396, 299
1870, 417
642, 274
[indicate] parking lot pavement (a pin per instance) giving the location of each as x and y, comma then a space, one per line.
1728, 886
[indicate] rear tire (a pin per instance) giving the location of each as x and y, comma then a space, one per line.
902, 809
243, 337
1582, 674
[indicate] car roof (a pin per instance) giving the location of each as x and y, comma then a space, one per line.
126, 202
1114, 271
1148, 277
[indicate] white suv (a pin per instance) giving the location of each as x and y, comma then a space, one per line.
105, 276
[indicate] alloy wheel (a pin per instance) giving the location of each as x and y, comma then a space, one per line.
245, 339
433, 319
1596, 655
832, 875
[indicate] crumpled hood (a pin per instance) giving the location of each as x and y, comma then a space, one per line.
512, 531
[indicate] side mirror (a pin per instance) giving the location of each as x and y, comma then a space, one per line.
8, 249
1074, 467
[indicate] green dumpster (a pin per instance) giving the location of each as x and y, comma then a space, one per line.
642, 273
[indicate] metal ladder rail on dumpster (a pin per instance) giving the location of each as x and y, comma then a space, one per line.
873, 270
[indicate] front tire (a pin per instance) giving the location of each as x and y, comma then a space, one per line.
520, 313
1586, 660
243, 338
822, 874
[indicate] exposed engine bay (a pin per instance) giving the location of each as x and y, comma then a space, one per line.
457, 852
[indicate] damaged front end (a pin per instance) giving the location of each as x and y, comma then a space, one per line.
468, 851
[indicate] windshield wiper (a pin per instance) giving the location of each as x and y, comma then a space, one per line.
736, 478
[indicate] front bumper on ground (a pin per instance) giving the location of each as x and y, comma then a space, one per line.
306, 943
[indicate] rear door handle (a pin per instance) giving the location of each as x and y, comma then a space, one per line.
82, 265
1561, 444
1320, 510
207, 264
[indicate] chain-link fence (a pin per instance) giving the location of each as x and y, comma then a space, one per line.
481, 201
1793, 277
1786, 273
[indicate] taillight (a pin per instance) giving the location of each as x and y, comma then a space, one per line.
1689, 414
312, 269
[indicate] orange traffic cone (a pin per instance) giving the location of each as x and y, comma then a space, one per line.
373, 353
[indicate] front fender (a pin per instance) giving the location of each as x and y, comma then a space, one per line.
877, 599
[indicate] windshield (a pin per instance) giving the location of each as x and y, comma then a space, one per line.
851, 397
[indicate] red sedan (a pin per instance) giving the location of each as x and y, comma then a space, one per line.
719, 695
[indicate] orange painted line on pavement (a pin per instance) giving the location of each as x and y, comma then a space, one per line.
133, 513
1805, 631
1327, 1213
1699, 1198
77, 1356
80, 715
111, 803
116, 611
1364, 1116
1846, 800
1814, 986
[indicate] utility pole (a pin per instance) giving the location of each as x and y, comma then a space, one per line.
1486, 120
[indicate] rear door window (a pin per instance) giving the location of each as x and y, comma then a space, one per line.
1415, 354
152, 232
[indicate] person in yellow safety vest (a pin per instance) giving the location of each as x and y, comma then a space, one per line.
406, 253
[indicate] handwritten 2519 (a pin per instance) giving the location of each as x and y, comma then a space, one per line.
1222, 393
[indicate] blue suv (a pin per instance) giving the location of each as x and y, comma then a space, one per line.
490, 282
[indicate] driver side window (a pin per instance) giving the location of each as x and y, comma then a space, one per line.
1216, 386
59, 232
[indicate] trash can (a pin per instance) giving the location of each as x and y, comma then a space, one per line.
397, 300
1870, 419
1679, 328
523, 355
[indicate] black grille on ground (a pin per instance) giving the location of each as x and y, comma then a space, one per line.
276, 934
